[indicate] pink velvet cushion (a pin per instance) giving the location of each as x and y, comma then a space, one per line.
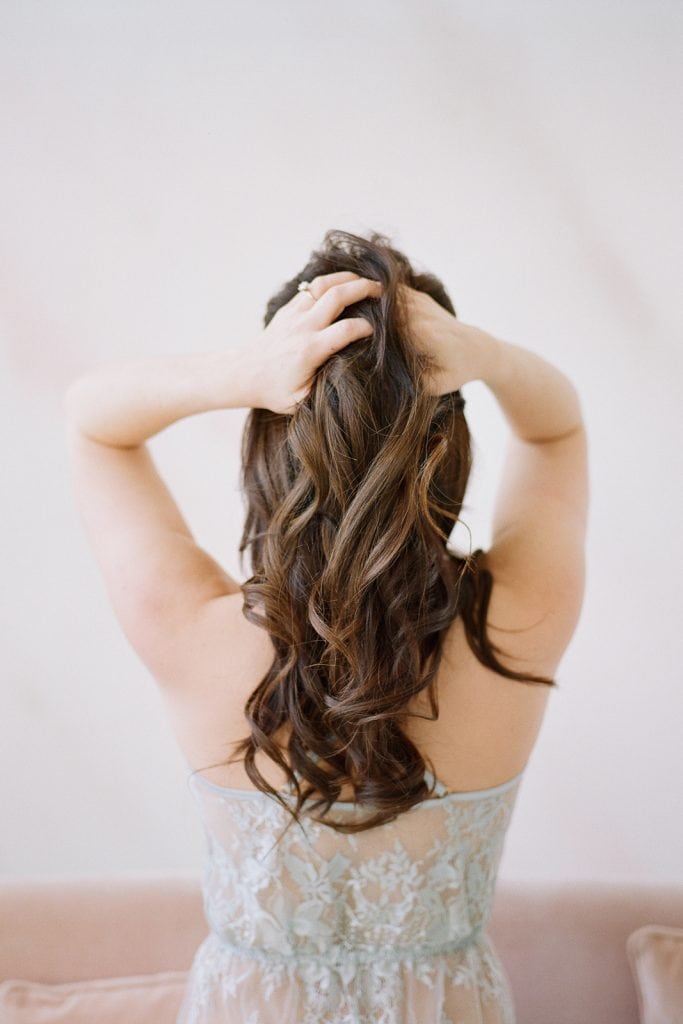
144, 999
655, 954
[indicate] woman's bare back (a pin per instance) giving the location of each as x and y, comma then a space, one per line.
487, 724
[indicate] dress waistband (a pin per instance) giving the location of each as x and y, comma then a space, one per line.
340, 954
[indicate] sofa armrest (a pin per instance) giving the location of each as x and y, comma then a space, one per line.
564, 945
57, 930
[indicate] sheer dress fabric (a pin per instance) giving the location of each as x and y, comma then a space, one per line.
384, 926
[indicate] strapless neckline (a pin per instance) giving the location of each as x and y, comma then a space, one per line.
441, 791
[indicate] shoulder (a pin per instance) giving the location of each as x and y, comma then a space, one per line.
533, 619
216, 647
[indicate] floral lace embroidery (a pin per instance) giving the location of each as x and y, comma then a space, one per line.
379, 927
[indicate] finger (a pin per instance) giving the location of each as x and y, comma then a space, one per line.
320, 284
323, 282
338, 297
337, 336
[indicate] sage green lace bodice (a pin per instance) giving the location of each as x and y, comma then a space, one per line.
384, 926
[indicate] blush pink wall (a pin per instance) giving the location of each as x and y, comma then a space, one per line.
165, 168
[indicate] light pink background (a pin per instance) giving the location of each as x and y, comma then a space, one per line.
164, 168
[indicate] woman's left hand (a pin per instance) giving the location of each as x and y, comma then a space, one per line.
302, 336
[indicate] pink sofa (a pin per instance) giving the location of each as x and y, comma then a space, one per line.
563, 946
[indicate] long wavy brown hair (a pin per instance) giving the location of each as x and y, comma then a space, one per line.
350, 504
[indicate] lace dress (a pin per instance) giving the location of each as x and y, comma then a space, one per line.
384, 926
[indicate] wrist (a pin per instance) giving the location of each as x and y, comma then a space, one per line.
492, 358
225, 379
479, 355
245, 378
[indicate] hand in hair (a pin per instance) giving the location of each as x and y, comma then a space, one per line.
302, 335
450, 344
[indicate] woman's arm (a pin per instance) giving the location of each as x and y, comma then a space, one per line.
537, 552
539, 402
537, 399
537, 555
124, 404
163, 585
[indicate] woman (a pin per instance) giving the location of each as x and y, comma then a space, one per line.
359, 712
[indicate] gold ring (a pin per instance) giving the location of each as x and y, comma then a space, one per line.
305, 286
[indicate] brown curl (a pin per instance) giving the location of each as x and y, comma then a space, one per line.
350, 504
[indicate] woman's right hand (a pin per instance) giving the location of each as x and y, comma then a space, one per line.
449, 343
